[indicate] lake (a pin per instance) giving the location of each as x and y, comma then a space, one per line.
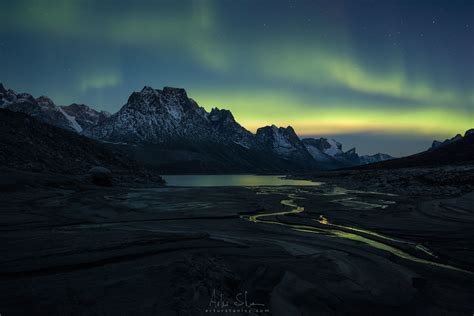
234, 180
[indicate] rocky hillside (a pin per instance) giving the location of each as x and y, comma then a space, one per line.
30, 145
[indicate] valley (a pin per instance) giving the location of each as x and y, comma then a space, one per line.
236, 158
163, 208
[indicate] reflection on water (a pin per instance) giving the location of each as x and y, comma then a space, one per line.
324, 221
295, 209
233, 180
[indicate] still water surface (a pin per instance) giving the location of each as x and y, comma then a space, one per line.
233, 180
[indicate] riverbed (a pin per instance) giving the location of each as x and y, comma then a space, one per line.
291, 248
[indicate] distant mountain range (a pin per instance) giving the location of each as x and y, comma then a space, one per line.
169, 130
454, 151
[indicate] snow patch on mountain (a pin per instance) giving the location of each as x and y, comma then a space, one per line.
334, 148
72, 121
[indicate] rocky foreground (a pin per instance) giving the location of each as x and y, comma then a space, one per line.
325, 250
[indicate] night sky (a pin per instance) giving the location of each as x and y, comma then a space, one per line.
384, 76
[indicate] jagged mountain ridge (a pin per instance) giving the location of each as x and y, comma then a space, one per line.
168, 116
457, 137
154, 116
329, 152
177, 129
84, 115
74, 117
170, 119
282, 141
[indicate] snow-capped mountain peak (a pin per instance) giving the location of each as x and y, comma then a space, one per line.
366, 159
44, 109
282, 141
157, 116
326, 146
45, 102
330, 152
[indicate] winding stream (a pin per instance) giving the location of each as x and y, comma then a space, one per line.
347, 232
265, 185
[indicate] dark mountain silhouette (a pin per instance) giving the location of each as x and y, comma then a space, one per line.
458, 150
30, 145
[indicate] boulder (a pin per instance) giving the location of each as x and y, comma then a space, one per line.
101, 176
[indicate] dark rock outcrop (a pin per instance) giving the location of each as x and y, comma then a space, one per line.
100, 176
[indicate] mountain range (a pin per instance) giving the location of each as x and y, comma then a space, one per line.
458, 150
74, 117
167, 129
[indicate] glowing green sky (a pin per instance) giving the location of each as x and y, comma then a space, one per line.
380, 75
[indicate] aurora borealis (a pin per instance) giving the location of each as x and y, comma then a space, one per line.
384, 76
